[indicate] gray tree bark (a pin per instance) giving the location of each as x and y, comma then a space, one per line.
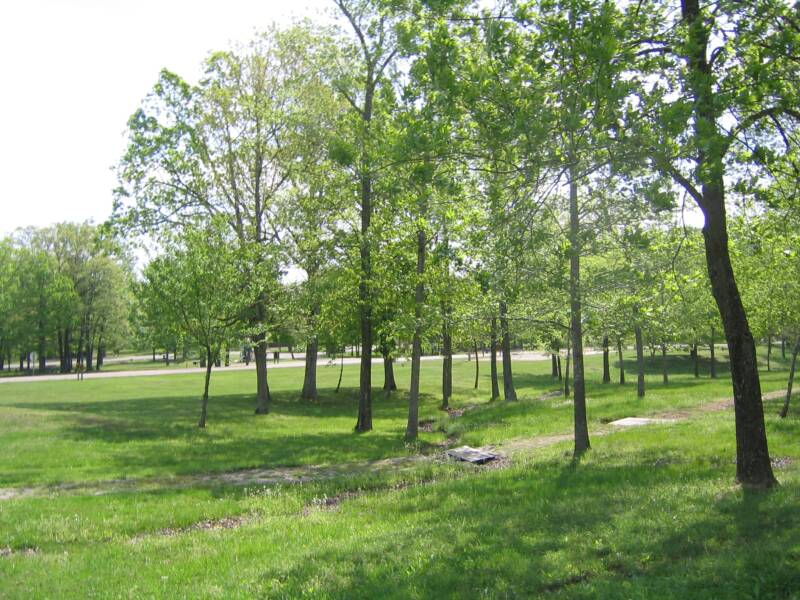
509, 393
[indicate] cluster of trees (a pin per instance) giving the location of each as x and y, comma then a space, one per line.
435, 173
64, 292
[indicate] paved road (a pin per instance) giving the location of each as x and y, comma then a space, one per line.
283, 364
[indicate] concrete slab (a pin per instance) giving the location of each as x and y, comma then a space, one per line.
473, 455
638, 421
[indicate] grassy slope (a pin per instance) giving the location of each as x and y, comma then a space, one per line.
650, 512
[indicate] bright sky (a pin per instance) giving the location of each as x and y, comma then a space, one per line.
73, 71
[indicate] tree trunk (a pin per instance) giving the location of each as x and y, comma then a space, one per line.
61, 361
341, 371
769, 352
637, 330
558, 363
262, 387
68, 349
42, 354
621, 362
713, 358
783, 347
154, 354
79, 349
204, 405
567, 391
665, 375
509, 393
389, 383
309, 391
753, 466
785, 409
493, 360
553, 365
101, 353
90, 356
696, 360
579, 383
447, 360
477, 365
606, 365
310, 379
412, 426
364, 422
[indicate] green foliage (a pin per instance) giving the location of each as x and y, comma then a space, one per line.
66, 291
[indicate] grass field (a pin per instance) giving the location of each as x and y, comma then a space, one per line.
650, 512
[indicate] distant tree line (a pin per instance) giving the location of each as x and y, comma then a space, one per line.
66, 295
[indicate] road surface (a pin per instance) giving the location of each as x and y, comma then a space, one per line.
283, 364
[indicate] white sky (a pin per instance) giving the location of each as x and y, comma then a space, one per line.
73, 71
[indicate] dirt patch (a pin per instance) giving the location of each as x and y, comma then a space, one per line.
781, 462
501, 461
242, 477
9, 552
328, 503
14, 493
426, 425
563, 583
525, 444
456, 412
208, 525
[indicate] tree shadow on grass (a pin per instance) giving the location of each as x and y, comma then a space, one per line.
554, 529
160, 434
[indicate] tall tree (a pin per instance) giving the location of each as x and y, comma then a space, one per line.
226, 146
734, 67
372, 27
196, 285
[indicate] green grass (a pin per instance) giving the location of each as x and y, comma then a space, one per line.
648, 513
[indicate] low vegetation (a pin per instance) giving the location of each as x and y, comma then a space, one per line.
116, 502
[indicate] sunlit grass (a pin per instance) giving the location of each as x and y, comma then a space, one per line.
650, 512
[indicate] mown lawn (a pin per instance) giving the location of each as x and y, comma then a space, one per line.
649, 513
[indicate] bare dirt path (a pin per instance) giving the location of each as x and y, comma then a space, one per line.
303, 474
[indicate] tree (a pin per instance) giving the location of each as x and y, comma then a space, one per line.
727, 88
198, 287
7, 294
573, 46
227, 146
376, 49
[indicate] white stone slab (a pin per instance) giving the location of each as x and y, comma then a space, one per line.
638, 421
473, 455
